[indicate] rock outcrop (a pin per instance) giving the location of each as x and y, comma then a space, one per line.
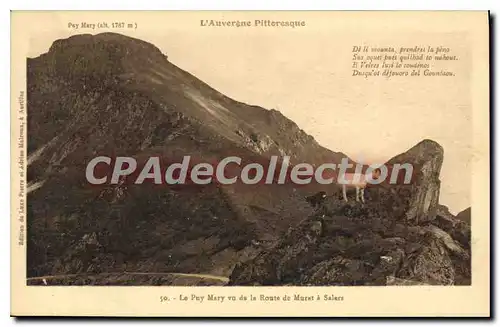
465, 215
456, 227
401, 236
420, 197
359, 248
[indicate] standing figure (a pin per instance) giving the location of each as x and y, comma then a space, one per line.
358, 181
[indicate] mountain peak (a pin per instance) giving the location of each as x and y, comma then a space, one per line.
97, 60
430, 145
107, 41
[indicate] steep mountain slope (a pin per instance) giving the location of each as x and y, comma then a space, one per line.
113, 95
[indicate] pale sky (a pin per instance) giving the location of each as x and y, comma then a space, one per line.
306, 74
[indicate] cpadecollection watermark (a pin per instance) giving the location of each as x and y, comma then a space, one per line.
233, 169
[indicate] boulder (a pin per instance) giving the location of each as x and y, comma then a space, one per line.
284, 262
430, 265
465, 215
387, 267
337, 271
457, 228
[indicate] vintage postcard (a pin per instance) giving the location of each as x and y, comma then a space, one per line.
250, 164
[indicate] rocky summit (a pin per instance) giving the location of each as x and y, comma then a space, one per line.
112, 95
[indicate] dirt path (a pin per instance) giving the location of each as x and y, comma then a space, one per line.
202, 276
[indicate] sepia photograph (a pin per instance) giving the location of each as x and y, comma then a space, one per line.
263, 153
